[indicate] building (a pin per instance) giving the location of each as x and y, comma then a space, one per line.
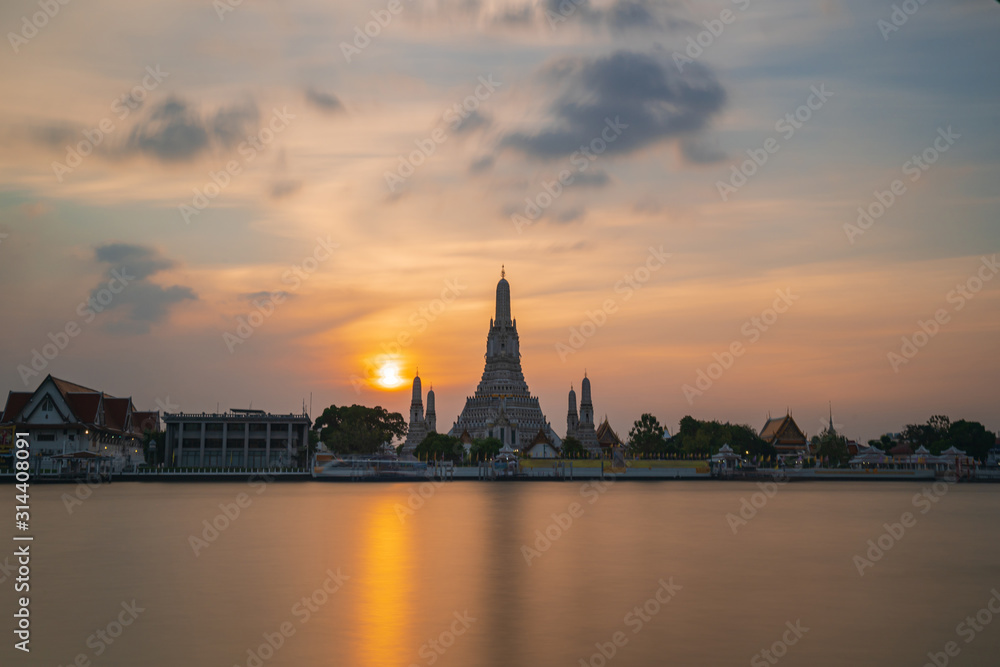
786, 436
238, 439
502, 406
607, 439
420, 425
541, 447
64, 418
582, 427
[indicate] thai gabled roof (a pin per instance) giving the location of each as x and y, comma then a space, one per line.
782, 430
606, 435
16, 400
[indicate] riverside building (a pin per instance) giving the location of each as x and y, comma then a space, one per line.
237, 439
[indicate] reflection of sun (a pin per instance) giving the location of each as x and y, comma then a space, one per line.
388, 375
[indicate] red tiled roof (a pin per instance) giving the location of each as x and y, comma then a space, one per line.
66, 387
84, 405
116, 411
16, 400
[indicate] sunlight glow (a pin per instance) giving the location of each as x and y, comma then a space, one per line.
388, 375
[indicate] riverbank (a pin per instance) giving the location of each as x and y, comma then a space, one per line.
527, 474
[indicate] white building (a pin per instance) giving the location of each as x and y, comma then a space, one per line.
238, 439
62, 417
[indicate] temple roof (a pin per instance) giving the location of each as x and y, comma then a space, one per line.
607, 436
782, 430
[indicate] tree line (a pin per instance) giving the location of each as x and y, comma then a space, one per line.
361, 430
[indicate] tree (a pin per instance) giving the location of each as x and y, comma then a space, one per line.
970, 437
831, 446
940, 433
484, 449
358, 429
703, 438
573, 449
646, 436
440, 447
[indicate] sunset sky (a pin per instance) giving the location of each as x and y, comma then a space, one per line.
357, 243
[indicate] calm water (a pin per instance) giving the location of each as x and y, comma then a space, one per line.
461, 553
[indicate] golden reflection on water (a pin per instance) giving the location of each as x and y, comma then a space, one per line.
384, 619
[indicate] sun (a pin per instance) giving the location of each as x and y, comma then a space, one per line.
388, 375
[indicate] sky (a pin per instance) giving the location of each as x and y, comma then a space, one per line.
720, 209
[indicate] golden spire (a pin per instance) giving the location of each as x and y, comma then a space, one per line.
503, 273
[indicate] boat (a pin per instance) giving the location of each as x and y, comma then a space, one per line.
327, 465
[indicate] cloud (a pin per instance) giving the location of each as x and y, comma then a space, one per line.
264, 294
56, 135
284, 188
482, 164
618, 15
648, 98
325, 102
175, 131
699, 150
571, 215
473, 121
591, 179
138, 301
231, 125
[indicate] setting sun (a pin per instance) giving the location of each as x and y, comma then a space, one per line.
388, 375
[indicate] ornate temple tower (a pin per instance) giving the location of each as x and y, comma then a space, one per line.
502, 406
430, 420
572, 421
419, 427
584, 431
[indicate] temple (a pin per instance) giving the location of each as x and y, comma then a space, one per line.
582, 427
502, 406
420, 424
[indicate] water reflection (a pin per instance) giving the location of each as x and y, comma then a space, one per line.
387, 595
